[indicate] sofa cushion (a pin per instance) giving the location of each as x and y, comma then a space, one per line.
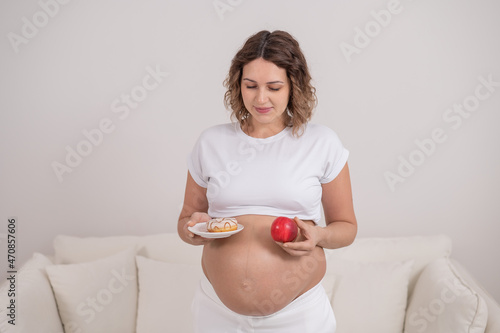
364, 293
443, 302
164, 247
166, 291
98, 296
36, 309
421, 249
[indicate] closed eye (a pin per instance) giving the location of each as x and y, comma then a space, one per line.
254, 87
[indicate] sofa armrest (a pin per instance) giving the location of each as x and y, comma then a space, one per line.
493, 323
36, 308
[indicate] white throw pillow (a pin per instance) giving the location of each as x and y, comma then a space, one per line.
99, 296
164, 247
368, 297
166, 291
35, 306
443, 302
421, 249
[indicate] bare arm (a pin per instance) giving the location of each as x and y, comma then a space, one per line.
341, 225
194, 210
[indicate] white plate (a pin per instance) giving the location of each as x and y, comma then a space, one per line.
200, 229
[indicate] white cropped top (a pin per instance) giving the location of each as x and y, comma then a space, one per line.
279, 176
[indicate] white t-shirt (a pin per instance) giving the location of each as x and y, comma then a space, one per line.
278, 176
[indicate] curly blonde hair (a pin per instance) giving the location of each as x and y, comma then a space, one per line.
280, 48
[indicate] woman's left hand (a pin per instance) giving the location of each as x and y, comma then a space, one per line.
305, 242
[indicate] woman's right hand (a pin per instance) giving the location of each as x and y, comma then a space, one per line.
196, 218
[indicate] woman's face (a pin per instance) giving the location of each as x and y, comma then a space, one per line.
265, 90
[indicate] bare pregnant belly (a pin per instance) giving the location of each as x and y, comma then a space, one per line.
252, 275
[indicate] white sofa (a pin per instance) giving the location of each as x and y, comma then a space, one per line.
145, 284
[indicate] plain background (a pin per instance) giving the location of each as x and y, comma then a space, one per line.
397, 88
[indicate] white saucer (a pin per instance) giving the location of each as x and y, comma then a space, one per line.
200, 229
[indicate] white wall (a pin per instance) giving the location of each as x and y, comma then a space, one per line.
70, 75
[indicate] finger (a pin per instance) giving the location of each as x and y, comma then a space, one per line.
303, 228
301, 224
296, 253
194, 221
188, 224
199, 218
293, 250
198, 240
195, 218
298, 246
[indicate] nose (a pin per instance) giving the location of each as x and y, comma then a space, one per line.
262, 96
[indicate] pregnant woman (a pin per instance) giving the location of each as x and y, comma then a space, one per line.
269, 162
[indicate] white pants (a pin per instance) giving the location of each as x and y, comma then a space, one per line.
310, 312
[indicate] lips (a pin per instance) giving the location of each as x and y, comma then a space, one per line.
262, 110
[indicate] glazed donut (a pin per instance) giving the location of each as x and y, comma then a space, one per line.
222, 224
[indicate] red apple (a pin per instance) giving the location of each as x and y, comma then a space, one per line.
284, 229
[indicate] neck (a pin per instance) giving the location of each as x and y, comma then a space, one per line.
261, 131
